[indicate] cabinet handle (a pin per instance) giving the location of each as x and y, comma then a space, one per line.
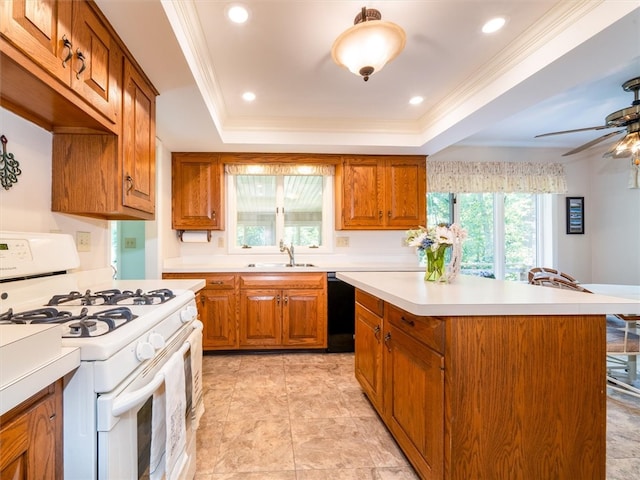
67, 44
376, 333
286, 299
81, 57
380, 214
130, 182
389, 213
277, 299
213, 215
387, 337
408, 322
216, 282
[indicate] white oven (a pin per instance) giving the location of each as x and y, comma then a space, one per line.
139, 380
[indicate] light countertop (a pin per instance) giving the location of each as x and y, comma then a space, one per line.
32, 358
279, 266
469, 295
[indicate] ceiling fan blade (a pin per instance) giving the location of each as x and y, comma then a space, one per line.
601, 127
593, 142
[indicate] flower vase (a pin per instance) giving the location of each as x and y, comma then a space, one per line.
435, 271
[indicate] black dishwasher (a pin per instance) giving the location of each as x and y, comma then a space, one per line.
340, 314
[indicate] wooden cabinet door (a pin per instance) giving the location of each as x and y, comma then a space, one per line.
39, 28
31, 441
414, 400
368, 354
363, 184
260, 318
197, 192
138, 141
97, 62
304, 319
405, 197
218, 314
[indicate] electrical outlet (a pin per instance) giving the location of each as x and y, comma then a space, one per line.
130, 242
342, 241
83, 241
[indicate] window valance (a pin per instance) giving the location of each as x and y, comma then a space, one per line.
473, 177
279, 169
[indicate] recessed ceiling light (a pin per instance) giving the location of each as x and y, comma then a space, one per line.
417, 100
237, 13
493, 25
248, 96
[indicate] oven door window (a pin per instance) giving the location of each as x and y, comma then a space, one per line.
145, 415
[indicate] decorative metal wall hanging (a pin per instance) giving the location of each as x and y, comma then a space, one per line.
9, 166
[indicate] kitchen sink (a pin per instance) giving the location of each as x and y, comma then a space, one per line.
266, 265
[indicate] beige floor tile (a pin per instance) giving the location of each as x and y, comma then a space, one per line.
208, 441
380, 444
255, 445
337, 474
317, 405
328, 443
258, 403
284, 475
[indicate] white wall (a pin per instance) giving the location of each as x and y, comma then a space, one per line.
26, 206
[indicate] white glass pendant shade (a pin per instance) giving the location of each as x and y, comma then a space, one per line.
368, 46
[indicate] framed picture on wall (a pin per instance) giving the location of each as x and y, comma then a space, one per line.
575, 215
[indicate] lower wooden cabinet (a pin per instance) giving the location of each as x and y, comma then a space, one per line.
31, 437
368, 346
414, 400
487, 396
262, 311
283, 310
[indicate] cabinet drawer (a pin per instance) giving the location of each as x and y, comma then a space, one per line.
371, 303
428, 330
283, 280
220, 282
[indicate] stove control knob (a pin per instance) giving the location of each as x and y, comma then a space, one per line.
145, 351
188, 314
156, 340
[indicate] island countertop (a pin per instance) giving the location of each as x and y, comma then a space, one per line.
474, 296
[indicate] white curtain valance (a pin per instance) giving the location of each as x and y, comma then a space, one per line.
474, 177
279, 169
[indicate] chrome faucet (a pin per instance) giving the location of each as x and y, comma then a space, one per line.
289, 250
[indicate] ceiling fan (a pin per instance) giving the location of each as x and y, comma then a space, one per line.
626, 120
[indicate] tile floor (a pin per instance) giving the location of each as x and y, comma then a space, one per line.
302, 416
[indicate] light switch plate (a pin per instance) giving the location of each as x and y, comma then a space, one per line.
342, 241
130, 242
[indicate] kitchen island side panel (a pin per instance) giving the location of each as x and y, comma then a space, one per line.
526, 397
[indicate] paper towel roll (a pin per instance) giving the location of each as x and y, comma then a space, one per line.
195, 236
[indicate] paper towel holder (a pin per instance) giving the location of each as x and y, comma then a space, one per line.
180, 232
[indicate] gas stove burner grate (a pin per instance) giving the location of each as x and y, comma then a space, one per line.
113, 297
84, 324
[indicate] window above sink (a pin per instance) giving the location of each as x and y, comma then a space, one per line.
267, 203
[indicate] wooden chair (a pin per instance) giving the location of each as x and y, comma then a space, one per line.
623, 340
541, 272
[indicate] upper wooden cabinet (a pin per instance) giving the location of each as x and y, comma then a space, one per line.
380, 192
138, 141
72, 42
197, 197
64, 68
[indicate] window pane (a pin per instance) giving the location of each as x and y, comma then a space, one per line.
303, 209
476, 216
519, 235
439, 208
256, 210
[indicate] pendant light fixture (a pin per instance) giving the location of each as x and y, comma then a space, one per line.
369, 44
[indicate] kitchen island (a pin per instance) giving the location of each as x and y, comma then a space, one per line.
484, 378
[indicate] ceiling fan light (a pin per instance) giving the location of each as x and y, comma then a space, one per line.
366, 47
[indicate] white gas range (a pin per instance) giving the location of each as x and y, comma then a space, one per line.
129, 333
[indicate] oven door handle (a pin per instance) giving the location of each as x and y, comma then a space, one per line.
133, 399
